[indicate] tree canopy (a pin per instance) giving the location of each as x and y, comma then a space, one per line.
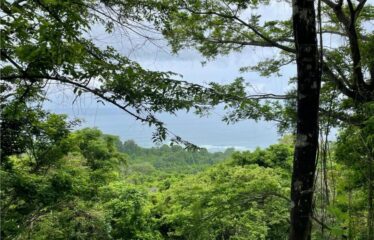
58, 183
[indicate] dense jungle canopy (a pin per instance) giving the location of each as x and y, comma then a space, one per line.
60, 181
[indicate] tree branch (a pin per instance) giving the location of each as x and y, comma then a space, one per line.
341, 85
241, 43
350, 28
255, 30
359, 8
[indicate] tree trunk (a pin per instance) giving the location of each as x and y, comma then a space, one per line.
308, 88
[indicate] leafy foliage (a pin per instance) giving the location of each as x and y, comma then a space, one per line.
227, 202
44, 42
88, 185
170, 159
59, 184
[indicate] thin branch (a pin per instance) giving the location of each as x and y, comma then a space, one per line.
340, 84
350, 28
14, 63
359, 8
255, 30
241, 43
365, 38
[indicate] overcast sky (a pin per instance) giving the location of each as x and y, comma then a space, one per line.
209, 132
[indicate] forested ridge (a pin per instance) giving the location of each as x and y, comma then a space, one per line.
62, 181
85, 184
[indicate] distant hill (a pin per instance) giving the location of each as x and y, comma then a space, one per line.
172, 159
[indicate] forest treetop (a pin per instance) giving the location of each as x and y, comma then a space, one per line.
46, 42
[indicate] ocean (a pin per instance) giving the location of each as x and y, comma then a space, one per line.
208, 132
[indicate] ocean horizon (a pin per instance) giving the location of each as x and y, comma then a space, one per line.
208, 132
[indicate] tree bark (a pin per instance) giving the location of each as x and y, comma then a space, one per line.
308, 89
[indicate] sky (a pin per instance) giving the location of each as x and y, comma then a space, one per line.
209, 132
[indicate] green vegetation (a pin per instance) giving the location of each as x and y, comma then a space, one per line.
170, 159
88, 185
84, 184
57, 183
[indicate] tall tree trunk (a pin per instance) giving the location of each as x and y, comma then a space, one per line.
308, 88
